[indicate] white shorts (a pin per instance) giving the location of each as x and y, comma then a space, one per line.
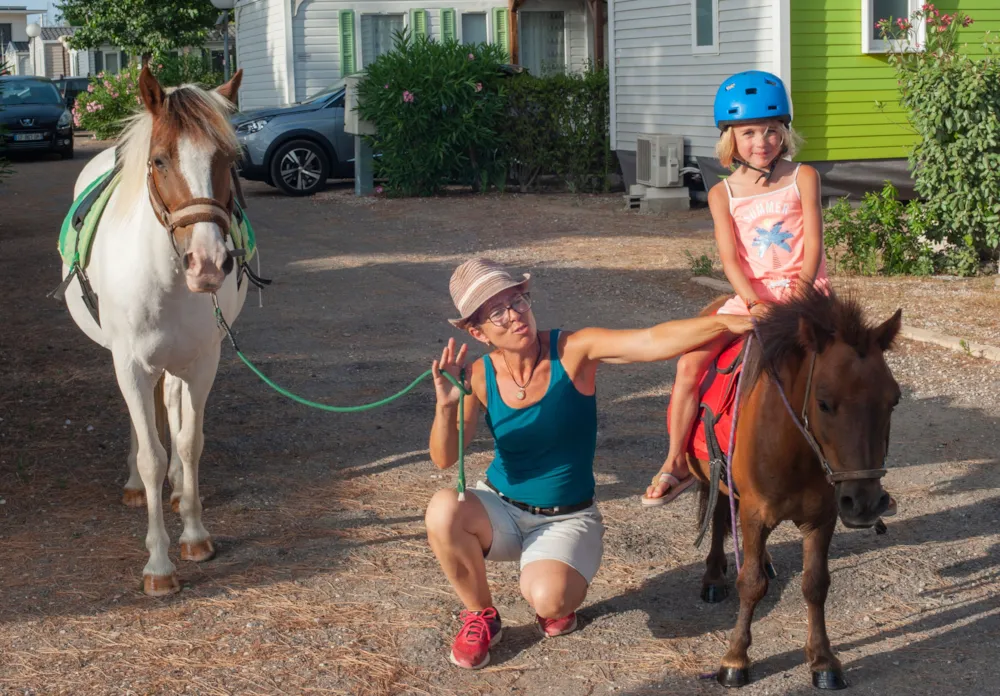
576, 539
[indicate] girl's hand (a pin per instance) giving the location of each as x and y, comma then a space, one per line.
758, 310
447, 393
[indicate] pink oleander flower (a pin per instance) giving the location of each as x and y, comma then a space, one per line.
472, 56
407, 96
90, 88
379, 190
479, 86
927, 7
967, 21
387, 86
941, 28
903, 24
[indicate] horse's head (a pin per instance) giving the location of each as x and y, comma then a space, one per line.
192, 147
849, 402
841, 382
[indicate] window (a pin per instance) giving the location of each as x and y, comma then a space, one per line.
98, 62
6, 36
704, 26
872, 40
111, 63
474, 27
543, 42
378, 35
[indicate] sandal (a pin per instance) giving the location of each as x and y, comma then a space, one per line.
677, 486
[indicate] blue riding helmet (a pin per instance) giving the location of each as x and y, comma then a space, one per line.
751, 96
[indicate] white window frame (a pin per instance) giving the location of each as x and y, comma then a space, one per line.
876, 46
460, 32
714, 48
359, 51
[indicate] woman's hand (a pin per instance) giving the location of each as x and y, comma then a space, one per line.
758, 311
447, 393
736, 323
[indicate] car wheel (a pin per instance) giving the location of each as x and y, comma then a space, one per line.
66, 154
300, 168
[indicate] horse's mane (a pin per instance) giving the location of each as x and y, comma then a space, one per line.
779, 335
188, 109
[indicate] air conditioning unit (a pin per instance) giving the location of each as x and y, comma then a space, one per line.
658, 160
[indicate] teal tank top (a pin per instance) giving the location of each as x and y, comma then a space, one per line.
545, 452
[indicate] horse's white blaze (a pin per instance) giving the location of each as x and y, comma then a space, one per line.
207, 249
153, 324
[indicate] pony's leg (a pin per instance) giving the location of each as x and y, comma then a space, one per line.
752, 585
713, 582
826, 669
137, 387
135, 494
196, 543
172, 387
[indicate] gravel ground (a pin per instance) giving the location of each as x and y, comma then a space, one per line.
324, 582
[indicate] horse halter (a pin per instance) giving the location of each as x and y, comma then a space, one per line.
190, 212
834, 477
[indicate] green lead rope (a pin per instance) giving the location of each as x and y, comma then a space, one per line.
460, 383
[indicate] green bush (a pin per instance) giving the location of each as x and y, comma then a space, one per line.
112, 98
560, 125
953, 102
883, 236
437, 109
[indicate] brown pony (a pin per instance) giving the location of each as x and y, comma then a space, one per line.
829, 362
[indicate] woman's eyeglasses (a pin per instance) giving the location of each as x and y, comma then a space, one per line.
500, 316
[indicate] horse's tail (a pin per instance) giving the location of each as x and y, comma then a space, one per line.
160, 409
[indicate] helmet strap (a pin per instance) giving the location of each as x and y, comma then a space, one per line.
765, 174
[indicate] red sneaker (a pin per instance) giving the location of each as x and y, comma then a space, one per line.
481, 630
556, 627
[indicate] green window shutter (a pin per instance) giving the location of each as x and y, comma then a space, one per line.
418, 23
448, 25
348, 59
501, 33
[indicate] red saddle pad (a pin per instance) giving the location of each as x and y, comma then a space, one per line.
718, 396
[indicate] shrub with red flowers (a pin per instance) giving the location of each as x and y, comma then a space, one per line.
953, 103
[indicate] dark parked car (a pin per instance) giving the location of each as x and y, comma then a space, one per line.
69, 87
298, 147
34, 117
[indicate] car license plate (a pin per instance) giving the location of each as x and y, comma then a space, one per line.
24, 137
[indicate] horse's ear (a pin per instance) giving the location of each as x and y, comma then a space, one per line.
812, 336
150, 91
230, 89
887, 332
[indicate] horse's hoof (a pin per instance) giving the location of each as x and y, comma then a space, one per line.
198, 552
831, 679
175, 504
733, 677
160, 585
769, 569
713, 594
134, 499
880, 527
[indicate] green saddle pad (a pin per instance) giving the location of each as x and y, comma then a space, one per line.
80, 225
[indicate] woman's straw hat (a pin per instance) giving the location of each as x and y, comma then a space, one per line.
475, 282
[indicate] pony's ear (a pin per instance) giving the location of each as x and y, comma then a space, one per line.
812, 336
230, 89
150, 91
887, 332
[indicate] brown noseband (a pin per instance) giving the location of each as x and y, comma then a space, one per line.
190, 212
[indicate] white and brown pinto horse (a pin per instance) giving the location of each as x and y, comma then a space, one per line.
160, 252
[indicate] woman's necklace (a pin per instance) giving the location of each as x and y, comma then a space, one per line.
521, 393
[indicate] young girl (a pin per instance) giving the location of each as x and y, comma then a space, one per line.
769, 230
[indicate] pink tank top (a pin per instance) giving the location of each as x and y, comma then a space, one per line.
770, 239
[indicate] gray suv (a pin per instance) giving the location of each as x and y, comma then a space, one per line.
298, 147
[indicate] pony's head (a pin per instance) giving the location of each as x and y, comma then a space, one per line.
182, 148
850, 395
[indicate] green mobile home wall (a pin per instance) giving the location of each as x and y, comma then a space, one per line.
835, 86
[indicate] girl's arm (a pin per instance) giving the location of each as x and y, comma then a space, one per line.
661, 342
444, 431
725, 239
812, 222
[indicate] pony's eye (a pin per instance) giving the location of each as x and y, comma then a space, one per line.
823, 406
159, 163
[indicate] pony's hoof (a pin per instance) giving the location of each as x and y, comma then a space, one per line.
771, 572
175, 504
830, 679
733, 677
198, 552
160, 585
713, 594
134, 499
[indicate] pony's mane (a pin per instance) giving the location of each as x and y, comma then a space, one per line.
779, 336
189, 109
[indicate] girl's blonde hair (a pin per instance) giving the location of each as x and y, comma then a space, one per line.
725, 148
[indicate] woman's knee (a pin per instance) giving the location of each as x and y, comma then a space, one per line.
443, 513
